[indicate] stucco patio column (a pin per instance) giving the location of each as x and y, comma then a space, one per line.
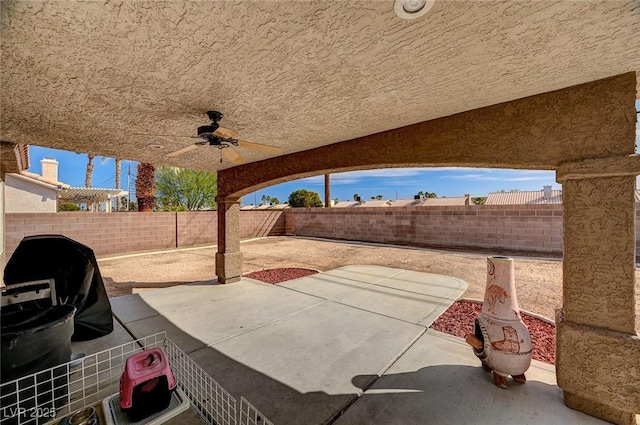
598, 349
228, 257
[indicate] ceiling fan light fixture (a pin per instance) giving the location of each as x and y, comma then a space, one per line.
412, 9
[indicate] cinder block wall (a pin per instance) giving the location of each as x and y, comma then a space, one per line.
526, 228
123, 232
255, 224
196, 228
105, 233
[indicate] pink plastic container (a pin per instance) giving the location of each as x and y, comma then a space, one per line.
146, 384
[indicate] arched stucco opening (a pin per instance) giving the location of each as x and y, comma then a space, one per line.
587, 134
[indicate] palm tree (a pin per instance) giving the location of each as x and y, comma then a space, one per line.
88, 176
89, 173
118, 161
146, 187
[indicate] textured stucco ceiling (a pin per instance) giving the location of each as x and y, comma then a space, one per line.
90, 76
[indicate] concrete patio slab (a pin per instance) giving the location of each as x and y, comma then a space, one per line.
440, 380
311, 358
324, 285
407, 306
129, 308
425, 283
159, 323
210, 313
304, 351
119, 336
364, 273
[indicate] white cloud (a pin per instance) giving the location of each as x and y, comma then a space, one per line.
503, 175
476, 174
351, 177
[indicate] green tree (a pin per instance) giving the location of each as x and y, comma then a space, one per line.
68, 206
304, 198
180, 189
430, 195
269, 200
479, 201
126, 205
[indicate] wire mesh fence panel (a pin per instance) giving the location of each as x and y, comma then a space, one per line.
59, 391
212, 402
249, 415
41, 397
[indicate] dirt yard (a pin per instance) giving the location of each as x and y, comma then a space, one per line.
538, 281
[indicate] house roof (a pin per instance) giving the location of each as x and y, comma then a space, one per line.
90, 194
265, 207
40, 181
432, 202
373, 203
346, 204
280, 206
531, 197
405, 202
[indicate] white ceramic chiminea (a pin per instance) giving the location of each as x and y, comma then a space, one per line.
501, 340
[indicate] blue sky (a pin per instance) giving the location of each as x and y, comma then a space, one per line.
391, 183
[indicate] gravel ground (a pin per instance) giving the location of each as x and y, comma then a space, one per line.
538, 281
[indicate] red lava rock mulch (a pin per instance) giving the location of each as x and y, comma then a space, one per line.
458, 320
274, 276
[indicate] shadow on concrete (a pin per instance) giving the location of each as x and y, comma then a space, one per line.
278, 402
118, 289
438, 394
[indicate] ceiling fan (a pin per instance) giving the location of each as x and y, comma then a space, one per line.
223, 139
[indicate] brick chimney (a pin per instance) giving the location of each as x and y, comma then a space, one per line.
547, 191
49, 169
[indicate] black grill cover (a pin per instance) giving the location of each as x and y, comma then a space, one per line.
77, 277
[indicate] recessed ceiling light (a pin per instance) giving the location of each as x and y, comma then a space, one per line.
413, 6
412, 9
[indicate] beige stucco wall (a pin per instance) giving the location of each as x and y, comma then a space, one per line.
25, 197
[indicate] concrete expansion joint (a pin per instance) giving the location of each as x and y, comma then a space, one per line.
614, 166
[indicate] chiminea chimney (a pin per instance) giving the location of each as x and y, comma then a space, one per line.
49, 169
467, 199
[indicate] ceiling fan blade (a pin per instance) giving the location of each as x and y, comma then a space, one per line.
182, 151
232, 155
259, 147
225, 132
